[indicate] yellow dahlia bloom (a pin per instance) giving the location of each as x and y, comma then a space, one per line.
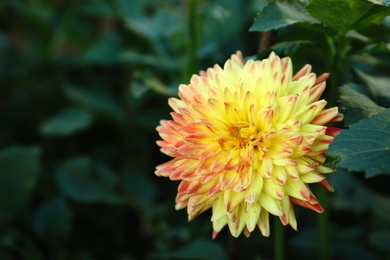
247, 139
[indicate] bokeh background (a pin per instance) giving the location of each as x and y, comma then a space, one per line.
83, 85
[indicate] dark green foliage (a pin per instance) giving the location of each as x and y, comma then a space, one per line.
365, 146
347, 15
355, 104
67, 122
19, 169
278, 14
83, 85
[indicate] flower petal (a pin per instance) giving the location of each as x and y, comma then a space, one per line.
263, 223
252, 217
246, 140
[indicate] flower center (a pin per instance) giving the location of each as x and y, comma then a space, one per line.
240, 130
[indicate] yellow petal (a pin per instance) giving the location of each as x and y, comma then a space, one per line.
253, 191
263, 223
285, 218
252, 217
232, 199
218, 224
270, 204
276, 191
239, 222
297, 189
312, 177
218, 209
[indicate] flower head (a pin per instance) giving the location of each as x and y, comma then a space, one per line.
247, 139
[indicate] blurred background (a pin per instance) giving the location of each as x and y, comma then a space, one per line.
83, 85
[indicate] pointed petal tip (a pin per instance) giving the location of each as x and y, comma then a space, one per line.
247, 233
295, 228
322, 77
320, 209
324, 183
284, 219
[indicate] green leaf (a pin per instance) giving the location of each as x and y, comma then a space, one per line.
143, 27
378, 48
346, 15
52, 221
331, 161
140, 187
283, 48
290, 46
19, 170
144, 82
379, 87
82, 180
104, 51
95, 102
154, 28
365, 146
139, 59
355, 105
278, 14
65, 123
131, 8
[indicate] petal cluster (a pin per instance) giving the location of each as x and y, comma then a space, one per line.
247, 140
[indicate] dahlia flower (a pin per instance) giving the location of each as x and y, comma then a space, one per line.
247, 140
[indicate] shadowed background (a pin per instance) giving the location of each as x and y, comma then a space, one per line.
83, 85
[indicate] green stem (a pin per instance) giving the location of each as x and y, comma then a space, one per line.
323, 224
279, 239
194, 37
335, 60
338, 49
334, 73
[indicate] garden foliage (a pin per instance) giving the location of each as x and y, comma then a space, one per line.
83, 85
